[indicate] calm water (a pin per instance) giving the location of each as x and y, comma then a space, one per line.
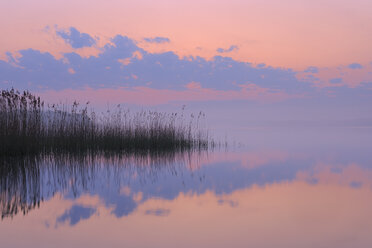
299, 187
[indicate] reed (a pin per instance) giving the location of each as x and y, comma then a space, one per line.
29, 126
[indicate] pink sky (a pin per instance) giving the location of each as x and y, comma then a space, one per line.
290, 33
293, 49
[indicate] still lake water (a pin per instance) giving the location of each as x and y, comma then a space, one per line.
298, 187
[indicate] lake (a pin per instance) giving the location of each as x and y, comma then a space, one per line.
271, 187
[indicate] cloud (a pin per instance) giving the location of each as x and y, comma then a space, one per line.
75, 38
124, 205
356, 185
161, 212
338, 76
122, 65
75, 214
335, 80
165, 70
157, 39
230, 49
232, 204
355, 66
312, 69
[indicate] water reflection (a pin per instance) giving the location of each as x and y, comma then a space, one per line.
123, 182
117, 180
28, 181
75, 214
293, 195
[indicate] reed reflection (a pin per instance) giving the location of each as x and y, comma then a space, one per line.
25, 182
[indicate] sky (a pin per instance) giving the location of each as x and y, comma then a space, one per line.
262, 61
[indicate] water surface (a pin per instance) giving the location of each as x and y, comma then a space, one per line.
277, 187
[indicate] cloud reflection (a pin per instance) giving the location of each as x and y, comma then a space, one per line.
75, 214
158, 212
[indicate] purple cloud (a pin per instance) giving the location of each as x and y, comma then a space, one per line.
123, 63
356, 185
75, 214
158, 212
164, 70
159, 40
75, 38
355, 66
312, 69
335, 80
230, 49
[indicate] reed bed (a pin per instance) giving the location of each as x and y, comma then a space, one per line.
30, 126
